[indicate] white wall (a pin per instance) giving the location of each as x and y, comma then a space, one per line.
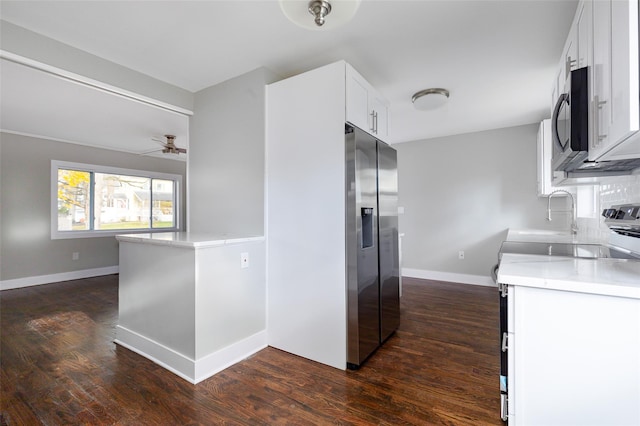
226, 156
26, 247
462, 193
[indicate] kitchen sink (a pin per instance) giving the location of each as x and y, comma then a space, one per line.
584, 251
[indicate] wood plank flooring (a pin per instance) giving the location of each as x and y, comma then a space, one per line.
59, 365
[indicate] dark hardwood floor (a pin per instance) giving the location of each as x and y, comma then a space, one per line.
59, 365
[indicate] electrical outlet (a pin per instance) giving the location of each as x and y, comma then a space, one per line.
461, 255
75, 255
244, 260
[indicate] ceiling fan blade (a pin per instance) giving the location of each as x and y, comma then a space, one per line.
158, 140
149, 152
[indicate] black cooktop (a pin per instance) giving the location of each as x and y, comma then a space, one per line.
587, 251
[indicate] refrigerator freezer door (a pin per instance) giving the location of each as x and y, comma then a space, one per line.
389, 257
362, 247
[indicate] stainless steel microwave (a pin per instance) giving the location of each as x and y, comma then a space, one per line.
570, 123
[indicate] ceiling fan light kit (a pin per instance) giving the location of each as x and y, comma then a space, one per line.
168, 146
319, 14
428, 99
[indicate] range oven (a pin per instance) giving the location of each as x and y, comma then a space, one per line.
622, 219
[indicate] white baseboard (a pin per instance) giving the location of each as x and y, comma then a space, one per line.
215, 362
449, 277
55, 278
173, 361
193, 371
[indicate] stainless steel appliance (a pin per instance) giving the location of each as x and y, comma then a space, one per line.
570, 123
570, 134
622, 219
373, 267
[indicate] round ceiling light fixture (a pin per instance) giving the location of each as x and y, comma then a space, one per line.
319, 9
319, 14
430, 98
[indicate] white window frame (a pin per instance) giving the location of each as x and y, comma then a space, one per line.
56, 165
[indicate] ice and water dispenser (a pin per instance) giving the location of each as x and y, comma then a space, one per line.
367, 216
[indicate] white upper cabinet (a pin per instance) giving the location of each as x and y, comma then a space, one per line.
576, 52
545, 173
365, 107
583, 35
615, 80
357, 102
569, 55
380, 115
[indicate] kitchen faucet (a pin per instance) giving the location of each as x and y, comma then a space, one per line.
574, 225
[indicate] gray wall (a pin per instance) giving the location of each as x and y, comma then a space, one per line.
226, 156
26, 247
462, 193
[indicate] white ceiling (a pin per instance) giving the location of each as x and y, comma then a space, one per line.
38, 103
497, 58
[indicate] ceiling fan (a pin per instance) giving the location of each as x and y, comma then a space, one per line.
169, 146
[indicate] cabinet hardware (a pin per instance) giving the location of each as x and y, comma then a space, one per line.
598, 103
505, 342
503, 289
374, 122
504, 404
375, 116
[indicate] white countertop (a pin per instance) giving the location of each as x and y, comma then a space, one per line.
610, 277
188, 239
546, 236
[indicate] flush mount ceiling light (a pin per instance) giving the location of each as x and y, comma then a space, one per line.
319, 14
430, 99
319, 9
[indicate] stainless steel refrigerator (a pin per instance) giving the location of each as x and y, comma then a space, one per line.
373, 266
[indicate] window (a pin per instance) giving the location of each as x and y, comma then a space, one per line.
91, 201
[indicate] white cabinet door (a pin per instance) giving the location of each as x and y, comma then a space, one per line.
380, 116
601, 76
624, 70
544, 149
575, 359
583, 35
577, 49
365, 107
570, 53
357, 102
615, 105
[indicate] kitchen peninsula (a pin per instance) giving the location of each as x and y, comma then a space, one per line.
573, 337
192, 302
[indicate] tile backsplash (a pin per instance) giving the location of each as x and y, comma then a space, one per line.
612, 191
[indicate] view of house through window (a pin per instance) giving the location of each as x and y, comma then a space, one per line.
73, 200
118, 201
